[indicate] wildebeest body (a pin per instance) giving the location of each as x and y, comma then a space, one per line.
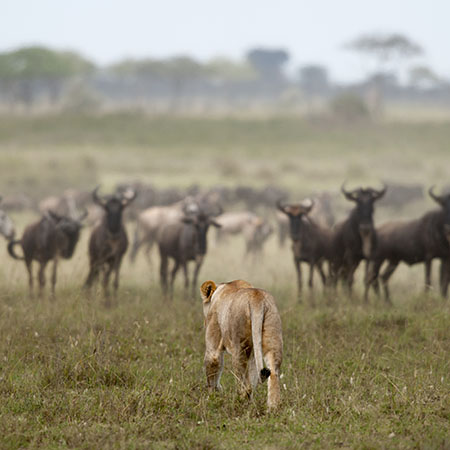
183, 242
51, 238
416, 241
108, 241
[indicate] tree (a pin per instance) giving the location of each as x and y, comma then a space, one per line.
223, 70
422, 77
268, 63
313, 80
385, 47
30, 69
385, 50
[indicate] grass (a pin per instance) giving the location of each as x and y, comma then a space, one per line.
287, 151
75, 374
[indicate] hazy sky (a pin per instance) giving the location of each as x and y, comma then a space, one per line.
312, 31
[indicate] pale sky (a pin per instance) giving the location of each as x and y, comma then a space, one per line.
312, 31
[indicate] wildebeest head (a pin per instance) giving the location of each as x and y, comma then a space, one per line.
68, 231
363, 213
296, 213
444, 202
113, 206
201, 223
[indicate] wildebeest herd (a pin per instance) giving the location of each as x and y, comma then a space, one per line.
180, 231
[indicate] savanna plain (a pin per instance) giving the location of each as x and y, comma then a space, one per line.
77, 374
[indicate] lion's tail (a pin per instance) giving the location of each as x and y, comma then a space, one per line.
257, 319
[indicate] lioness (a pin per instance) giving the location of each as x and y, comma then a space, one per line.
244, 321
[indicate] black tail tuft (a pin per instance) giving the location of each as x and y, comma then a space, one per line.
265, 373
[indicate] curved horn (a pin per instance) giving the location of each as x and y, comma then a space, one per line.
96, 198
378, 194
349, 195
437, 198
128, 196
280, 206
307, 208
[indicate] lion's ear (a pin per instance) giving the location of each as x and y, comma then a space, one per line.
207, 290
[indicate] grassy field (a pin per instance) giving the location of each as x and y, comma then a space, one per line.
42, 154
76, 374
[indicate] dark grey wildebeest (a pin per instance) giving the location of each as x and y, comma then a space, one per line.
108, 241
311, 242
354, 239
415, 241
183, 242
51, 238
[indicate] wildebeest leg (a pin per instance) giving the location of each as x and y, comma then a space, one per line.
42, 267
148, 249
29, 265
93, 275
163, 273
173, 275
116, 275
368, 269
428, 263
136, 245
369, 276
390, 269
108, 269
298, 268
186, 277
351, 277
311, 275
323, 277
373, 276
54, 269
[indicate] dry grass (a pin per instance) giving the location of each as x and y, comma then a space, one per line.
76, 374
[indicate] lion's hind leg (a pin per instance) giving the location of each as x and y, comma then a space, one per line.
214, 364
273, 387
240, 361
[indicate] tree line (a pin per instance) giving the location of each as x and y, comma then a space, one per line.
36, 75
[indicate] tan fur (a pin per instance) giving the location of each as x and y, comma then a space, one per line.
245, 322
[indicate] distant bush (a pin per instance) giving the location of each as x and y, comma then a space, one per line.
349, 107
79, 98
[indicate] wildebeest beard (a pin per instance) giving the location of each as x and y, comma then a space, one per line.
71, 238
366, 232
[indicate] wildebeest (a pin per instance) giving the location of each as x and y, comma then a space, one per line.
6, 225
108, 241
151, 220
311, 243
253, 228
51, 238
354, 239
254, 245
184, 241
321, 214
412, 242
